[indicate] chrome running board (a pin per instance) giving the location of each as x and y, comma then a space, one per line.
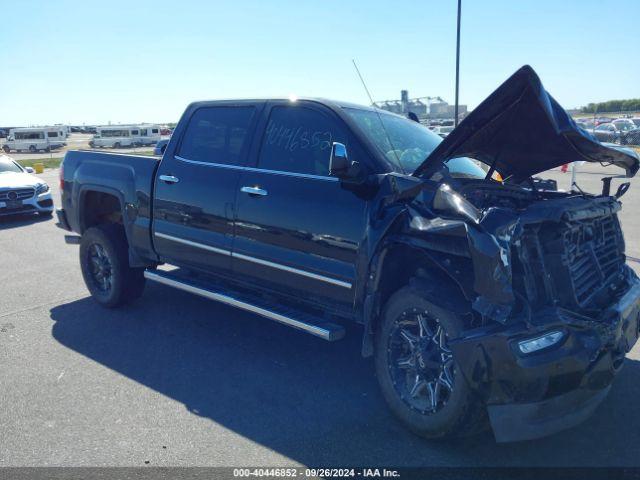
302, 321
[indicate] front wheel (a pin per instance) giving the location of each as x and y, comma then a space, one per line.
104, 260
32, 149
418, 372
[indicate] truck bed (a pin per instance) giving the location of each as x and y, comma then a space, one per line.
129, 178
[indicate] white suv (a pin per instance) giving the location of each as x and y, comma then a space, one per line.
22, 192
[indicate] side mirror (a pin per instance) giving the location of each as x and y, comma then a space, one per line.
29, 170
339, 164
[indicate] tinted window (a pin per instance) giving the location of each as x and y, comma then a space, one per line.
217, 135
29, 135
299, 139
115, 133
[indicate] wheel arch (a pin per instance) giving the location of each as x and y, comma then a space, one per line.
398, 263
97, 205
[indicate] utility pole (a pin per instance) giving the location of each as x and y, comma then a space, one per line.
455, 121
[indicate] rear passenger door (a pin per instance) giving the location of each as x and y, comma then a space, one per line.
196, 186
298, 229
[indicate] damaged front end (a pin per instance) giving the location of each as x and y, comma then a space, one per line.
554, 306
559, 307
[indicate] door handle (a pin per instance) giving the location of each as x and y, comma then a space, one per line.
169, 179
254, 191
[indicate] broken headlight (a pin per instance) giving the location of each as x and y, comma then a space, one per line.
448, 201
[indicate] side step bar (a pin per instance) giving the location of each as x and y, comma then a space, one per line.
302, 321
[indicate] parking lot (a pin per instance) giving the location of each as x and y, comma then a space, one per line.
175, 379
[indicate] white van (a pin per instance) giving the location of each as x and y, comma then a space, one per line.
115, 137
149, 134
34, 139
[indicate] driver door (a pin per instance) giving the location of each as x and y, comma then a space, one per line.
298, 230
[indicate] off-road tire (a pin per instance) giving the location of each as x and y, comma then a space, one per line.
126, 283
464, 413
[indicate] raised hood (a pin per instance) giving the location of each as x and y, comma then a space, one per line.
521, 130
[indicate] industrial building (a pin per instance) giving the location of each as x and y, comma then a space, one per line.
426, 108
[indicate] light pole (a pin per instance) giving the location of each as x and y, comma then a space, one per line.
455, 121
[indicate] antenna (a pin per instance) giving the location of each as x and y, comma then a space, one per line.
377, 112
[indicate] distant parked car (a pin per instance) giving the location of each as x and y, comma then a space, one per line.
601, 120
622, 132
160, 147
22, 192
166, 131
443, 131
585, 124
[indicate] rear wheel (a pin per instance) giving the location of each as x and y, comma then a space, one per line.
104, 260
117, 145
418, 372
32, 148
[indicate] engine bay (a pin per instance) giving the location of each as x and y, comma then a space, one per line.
484, 194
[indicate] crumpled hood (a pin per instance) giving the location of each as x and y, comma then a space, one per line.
17, 180
521, 130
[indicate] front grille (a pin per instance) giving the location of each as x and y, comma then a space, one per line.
20, 193
593, 253
570, 264
14, 211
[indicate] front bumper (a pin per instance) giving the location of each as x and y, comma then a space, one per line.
534, 395
37, 204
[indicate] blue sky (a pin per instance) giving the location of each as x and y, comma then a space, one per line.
121, 61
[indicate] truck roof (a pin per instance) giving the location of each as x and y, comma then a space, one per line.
324, 101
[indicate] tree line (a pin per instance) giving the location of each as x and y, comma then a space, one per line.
629, 105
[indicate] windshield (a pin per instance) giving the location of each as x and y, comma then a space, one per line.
7, 166
404, 143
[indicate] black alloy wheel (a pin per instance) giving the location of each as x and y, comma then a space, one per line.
420, 362
100, 268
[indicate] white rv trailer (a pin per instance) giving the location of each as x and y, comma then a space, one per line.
149, 134
118, 136
115, 136
34, 139
66, 130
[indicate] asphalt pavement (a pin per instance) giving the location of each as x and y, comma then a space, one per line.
174, 379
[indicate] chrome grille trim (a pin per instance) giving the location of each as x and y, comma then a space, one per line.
22, 193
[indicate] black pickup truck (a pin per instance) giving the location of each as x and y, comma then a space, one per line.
483, 298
